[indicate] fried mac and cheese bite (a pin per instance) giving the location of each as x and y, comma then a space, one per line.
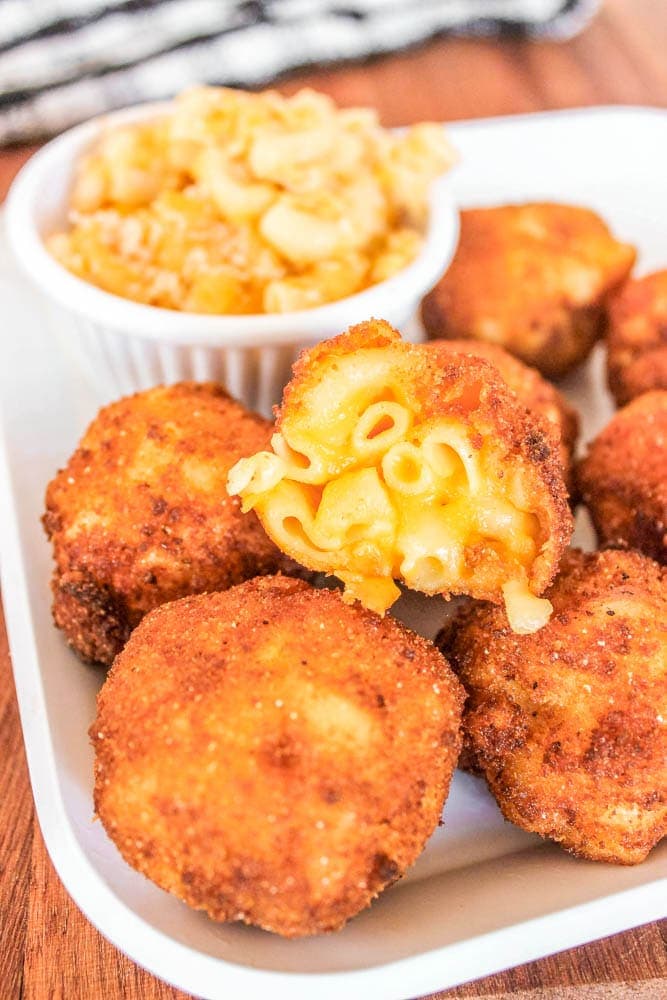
569, 726
532, 390
533, 278
139, 514
637, 338
389, 465
237, 202
272, 755
623, 478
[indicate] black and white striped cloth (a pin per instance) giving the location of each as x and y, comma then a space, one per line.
64, 60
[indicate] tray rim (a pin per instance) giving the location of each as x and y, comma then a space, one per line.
206, 975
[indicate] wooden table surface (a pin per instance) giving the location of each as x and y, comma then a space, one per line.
48, 950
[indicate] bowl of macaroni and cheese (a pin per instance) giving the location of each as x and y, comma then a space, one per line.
214, 236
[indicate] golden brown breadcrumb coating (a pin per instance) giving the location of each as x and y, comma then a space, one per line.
272, 755
140, 516
532, 278
623, 478
390, 464
569, 725
637, 337
534, 391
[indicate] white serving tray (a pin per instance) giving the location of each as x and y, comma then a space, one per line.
484, 896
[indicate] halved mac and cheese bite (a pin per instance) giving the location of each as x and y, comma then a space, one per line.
389, 465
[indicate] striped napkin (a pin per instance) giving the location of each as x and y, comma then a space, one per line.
65, 60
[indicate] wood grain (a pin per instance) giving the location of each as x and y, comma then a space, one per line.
48, 951
16, 832
65, 957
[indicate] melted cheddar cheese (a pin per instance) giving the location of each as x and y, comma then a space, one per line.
359, 486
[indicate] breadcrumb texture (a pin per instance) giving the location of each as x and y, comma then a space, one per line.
272, 755
623, 478
140, 516
569, 725
536, 394
533, 278
637, 338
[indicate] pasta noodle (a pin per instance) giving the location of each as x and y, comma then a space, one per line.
231, 202
405, 470
374, 483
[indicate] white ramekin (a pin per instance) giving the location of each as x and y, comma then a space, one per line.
124, 346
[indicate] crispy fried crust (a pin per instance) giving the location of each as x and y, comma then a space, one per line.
623, 478
534, 392
569, 725
140, 515
637, 338
470, 390
272, 755
532, 278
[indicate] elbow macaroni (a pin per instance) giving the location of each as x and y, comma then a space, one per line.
234, 202
359, 487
